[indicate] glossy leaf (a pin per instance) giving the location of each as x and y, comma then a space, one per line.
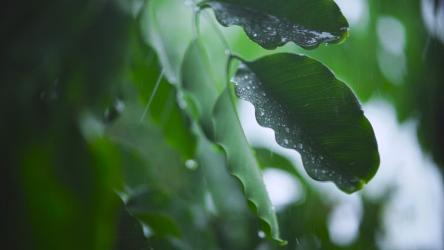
218, 118
272, 23
313, 112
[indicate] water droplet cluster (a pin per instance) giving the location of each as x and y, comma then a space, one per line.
268, 30
191, 164
270, 113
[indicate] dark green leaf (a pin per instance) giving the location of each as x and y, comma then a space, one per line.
313, 112
272, 23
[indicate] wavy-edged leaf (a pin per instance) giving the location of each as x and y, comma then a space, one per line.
272, 23
313, 112
230, 209
242, 162
217, 116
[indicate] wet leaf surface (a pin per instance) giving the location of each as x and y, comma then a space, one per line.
314, 113
272, 23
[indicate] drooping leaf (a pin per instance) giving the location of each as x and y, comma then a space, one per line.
311, 212
144, 71
231, 212
218, 118
160, 190
168, 37
313, 112
198, 80
242, 163
272, 23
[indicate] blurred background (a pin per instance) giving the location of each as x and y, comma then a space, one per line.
93, 159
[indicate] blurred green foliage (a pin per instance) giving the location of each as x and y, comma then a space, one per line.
85, 169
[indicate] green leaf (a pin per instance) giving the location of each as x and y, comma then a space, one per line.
165, 28
199, 81
313, 112
144, 71
217, 116
153, 208
268, 158
242, 162
230, 209
272, 23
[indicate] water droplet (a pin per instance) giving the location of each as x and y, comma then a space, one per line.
191, 164
287, 130
111, 113
261, 234
286, 141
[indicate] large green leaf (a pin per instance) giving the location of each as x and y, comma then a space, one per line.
313, 112
272, 23
217, 115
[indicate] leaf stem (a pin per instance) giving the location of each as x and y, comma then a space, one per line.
150, 100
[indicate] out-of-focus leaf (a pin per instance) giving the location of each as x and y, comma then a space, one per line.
272, 23
305, 222
314, 113
219, 181
204, 89
144, 72
58, 59
129, 234
231, 212
218, 118
268, 158
429, 103
171, 45
160, 190
153, 208
147, 144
